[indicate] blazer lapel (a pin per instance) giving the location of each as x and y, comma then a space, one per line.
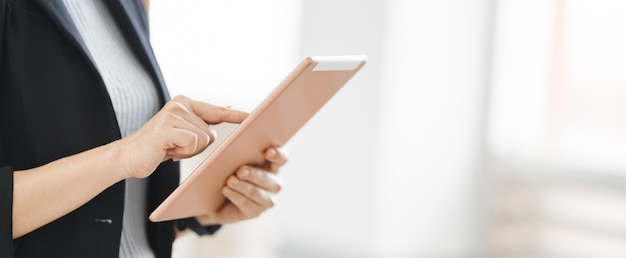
58, 13
131, 20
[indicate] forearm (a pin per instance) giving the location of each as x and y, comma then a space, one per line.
179, 130
44, 194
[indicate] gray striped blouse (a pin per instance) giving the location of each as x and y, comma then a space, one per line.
134, 98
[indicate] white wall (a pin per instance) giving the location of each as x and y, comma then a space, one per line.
226, 53
327, 201
390, 167
433, 92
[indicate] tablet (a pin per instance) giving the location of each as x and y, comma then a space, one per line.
279, 116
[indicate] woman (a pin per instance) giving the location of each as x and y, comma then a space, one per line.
89, 137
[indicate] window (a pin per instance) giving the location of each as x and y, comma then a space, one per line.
557, 129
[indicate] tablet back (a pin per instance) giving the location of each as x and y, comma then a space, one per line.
288, 107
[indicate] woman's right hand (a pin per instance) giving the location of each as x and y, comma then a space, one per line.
181, 129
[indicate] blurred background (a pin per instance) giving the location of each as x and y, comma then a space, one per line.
478, 128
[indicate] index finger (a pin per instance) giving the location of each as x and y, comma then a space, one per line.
213, 114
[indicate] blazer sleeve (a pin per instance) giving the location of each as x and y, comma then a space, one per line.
3, 7
6, 177
6, 212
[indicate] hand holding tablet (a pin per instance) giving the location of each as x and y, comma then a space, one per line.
288, 107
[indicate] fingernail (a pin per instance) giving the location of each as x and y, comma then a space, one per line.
234, 181
245, 172
271, 152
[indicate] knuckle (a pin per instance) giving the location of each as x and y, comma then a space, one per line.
235, 197
180, 103
167, 117
221, 113
188, 142
176, 106
252, 191
180, 98
259, 175
191, 138
242, 202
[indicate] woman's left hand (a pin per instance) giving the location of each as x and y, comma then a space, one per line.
250, 190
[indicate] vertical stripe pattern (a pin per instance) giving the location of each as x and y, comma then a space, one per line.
134, 98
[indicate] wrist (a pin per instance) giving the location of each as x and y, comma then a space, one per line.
115, 154
206, 220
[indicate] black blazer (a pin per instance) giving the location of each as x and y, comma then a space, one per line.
53, 103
